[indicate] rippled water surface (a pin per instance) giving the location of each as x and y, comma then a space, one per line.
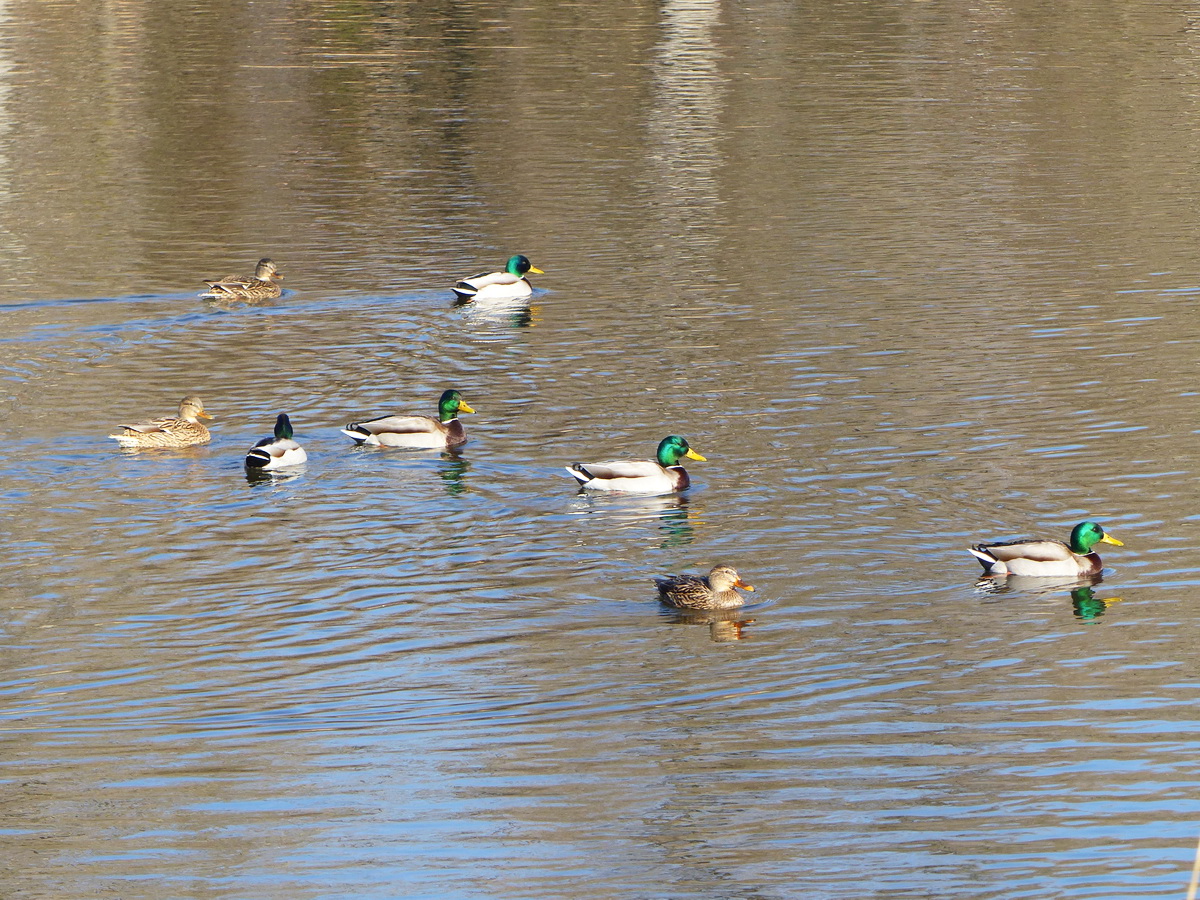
909, 275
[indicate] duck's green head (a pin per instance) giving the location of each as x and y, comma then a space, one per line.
1087, 535
673, 448
283, 428
518, 265
451, 405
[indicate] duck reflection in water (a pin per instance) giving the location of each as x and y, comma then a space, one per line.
496, 316
452, 468
724, 625
677, 528
1084, 602
256, 477
676, 521
1087, 605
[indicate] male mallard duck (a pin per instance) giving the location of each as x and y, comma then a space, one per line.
259, 286
416, 432
641, 476
714, 591
169, 431
510, 284
277, 451
1051, 558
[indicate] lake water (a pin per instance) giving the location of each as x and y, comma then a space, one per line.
910, 275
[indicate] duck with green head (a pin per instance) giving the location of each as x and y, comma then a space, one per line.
416, 432
277, 451
511, 284
1046, 557
662, 475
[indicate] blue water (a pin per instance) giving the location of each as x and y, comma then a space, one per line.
909, 277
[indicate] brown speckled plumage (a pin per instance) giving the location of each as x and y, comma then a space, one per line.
183, 430
259, 286
714, 591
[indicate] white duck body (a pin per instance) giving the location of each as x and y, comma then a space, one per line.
416, 432
1046, 558
634, 476
498, 287
493, 287
1036, 558
412, 432
274, 454
662, 475
277, 451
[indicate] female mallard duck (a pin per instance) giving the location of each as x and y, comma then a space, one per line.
170, 431
1050, 558
640, 476
510, 284
416, 432
259, 286
712, 591
277, 451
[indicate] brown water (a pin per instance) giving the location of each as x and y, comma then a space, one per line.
909, 274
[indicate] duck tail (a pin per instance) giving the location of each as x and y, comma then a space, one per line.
980, 552
257, 459
579, 473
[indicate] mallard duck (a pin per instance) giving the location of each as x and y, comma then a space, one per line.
183, 430
510, 284
259, 286
277, 451
712, 591
416, 432
640, 476
1047, 558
